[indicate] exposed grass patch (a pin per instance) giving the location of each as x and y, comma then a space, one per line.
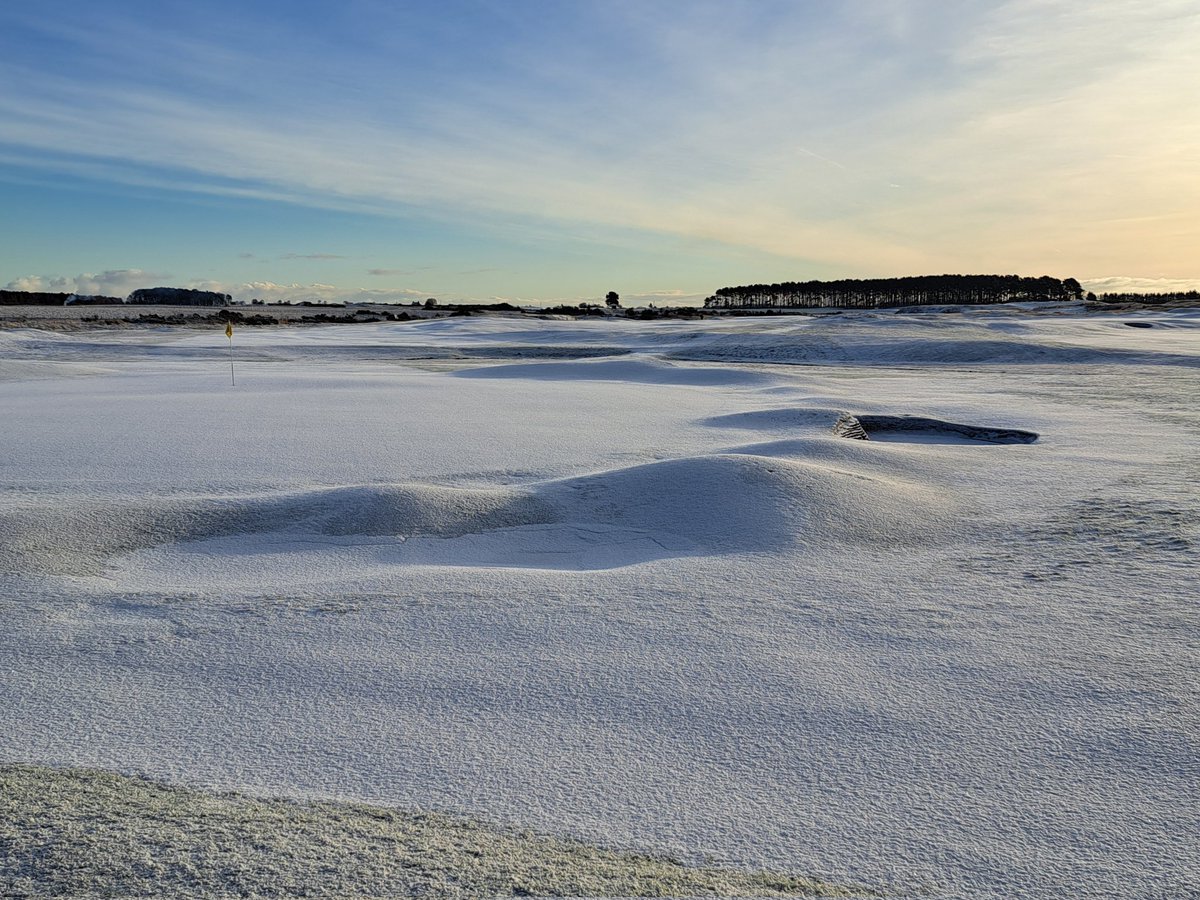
86, 834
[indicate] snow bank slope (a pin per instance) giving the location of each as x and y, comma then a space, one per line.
708, 505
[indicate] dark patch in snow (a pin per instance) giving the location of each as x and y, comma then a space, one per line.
864, 428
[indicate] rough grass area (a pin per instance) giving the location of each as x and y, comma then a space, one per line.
87, 834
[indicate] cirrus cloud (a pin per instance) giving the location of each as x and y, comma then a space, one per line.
866, 138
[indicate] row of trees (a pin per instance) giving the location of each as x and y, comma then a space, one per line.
1172, 297
919, 290
33, 298
143, 296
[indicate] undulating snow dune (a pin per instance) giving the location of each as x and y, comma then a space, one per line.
621, 581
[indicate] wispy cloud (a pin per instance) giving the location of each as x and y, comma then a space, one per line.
311, 256
869, 136
393, 272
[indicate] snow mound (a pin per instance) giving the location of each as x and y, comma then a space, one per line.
775, 419
707, 505
80, 538
746, 503
410, 510
871, 459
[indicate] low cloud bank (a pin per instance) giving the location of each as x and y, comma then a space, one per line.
1123, 284
111, 282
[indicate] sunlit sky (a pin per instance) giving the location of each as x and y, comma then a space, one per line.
542, 151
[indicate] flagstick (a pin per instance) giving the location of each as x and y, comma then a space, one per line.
229, 335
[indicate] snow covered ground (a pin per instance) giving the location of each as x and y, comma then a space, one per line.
620, 581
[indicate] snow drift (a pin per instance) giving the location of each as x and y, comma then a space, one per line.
736, 503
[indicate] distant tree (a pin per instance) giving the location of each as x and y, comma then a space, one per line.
920, 290
31, 298
178, 297
613, 299
1189, 297
431, 303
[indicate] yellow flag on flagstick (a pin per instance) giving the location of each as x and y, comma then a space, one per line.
229, 334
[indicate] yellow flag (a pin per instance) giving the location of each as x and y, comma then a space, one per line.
229, 330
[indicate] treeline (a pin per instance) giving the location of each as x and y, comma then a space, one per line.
162, 296
1153, 299
169, 296
32, 298
918, 290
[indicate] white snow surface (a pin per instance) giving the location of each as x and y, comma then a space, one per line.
619, 580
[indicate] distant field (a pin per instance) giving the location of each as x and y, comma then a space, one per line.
86, 317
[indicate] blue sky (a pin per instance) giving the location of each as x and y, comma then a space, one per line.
538, 151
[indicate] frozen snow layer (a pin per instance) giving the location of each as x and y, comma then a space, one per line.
640, 609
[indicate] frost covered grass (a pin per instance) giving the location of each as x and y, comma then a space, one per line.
80, 834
